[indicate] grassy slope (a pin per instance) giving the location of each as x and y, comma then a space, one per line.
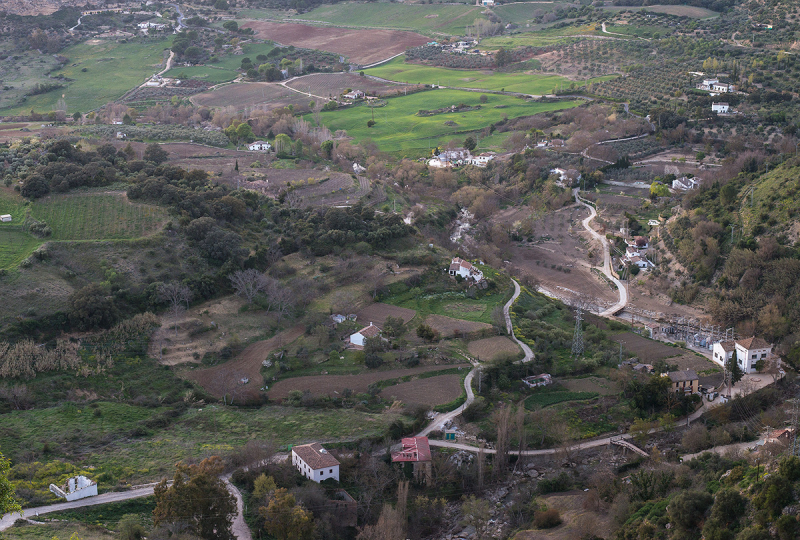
540, 38
526, 83
21, 71
449, 19
225, 69
111, 70
774, 202
398, 128
212, 430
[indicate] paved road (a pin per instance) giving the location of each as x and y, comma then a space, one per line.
240, 529
116, 496
623, 293
442, 419
543, 452
510, 327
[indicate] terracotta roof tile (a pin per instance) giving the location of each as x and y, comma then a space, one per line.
315, 456
753, 343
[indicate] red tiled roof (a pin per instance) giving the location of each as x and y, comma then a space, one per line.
753, 343
728, 346
370, 331
414, 449
315, 456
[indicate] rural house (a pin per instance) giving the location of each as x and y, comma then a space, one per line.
685, 184
370, 331
720, 108
415, 450
748, 352
315, 463
259, 146
686, 382
460, 267
354, 94
481, 160
707, 84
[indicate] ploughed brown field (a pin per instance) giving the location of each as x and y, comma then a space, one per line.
359, 46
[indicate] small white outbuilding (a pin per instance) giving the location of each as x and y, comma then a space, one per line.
5, 218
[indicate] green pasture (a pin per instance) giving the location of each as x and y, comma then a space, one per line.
21, 71
112, 68
423, 18
15, 245
522, 12
451, 303
225, 68
399, 128
97, 216
540, 38
542, 397
524, 83
132, 444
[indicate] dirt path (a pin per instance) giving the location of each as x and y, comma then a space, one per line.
510, 327
239, 528
623, 293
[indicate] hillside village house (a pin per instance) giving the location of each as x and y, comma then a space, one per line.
315, 463
354, 94
415, 450
481, 160
685, 382
370, 331
259, 146
748, 352
460, 267
685, 184
720, 108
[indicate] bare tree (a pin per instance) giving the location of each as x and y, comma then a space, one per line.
248, 283
502, 420
280, 298
177, 295
18, 395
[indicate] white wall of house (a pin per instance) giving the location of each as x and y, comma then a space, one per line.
316, 475
748, 358
357, 339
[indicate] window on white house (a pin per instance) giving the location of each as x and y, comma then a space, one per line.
331, 471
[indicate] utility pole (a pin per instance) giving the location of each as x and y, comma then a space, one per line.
577, 340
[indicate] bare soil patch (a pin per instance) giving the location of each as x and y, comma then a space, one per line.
335, 384
431, 391
359, 46
335, 84
378, 312
241, 95
692, 361
229, 378
604, 387
490, 348
447, 326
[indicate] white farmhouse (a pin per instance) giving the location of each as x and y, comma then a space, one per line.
481, 160
685, 184
77, 487
354, 94
460, 267
707, 84
315, 463
259, 146
720, 108
722, 88
439, 163
748, 352
370, 331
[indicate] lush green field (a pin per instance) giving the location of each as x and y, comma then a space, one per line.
97, 216
225, 68
15, 245
112, 69
540, 38
124, 444
524, 83
398, 127
423, 18
680, 11
543, 398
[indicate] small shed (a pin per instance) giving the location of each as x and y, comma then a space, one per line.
77, 487
5, 218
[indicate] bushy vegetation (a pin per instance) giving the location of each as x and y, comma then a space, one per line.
160, 133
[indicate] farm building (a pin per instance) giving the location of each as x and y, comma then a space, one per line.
487, 2
460, 267
259, 146
707, 84
354, 94
481, 160
359, 169
5, 218
315, 463
77, 487
415, 450
370, 331
720, 108
748, 352
538, 380
566, 177
685, 184
685, 381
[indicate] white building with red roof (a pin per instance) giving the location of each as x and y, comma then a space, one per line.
460, 267
370, 331
748, 352
315, 463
